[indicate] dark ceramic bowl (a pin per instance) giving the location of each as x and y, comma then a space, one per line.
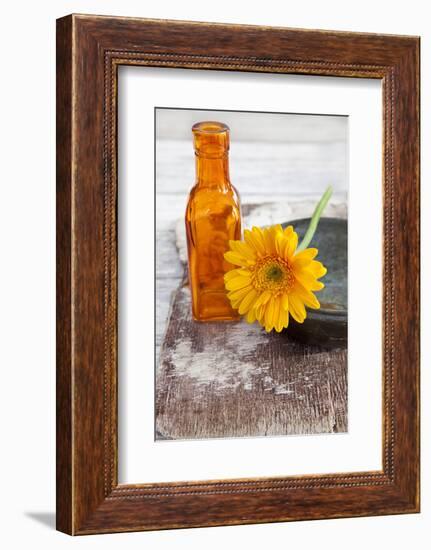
326, 326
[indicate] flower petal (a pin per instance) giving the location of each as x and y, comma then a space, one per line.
297, 309
247, 302
269, 243
258, 236
263, 298
253, 239
299, 265
239, 294
285, 301
235, 259
269, 315
317, 269
277, 320
288, 230
276, 229
235, 272
237, 283
260, 313
284, 318
307, 254
307, 297
230, 275
308, 280
291, 246
280, 244
251, 316
243, 249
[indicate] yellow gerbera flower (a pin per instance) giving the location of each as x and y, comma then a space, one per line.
272, 279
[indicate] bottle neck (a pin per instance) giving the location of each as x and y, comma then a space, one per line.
212, 172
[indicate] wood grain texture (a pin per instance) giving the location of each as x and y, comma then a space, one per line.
89, 497
232, 380
64, 449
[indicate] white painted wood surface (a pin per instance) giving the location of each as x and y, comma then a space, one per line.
235, 380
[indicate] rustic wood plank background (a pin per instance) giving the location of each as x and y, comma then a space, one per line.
232, 379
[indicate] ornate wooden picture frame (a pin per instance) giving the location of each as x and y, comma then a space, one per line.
89, 51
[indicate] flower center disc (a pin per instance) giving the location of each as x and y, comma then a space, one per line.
274, 274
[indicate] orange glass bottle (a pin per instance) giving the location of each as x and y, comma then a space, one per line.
213, 217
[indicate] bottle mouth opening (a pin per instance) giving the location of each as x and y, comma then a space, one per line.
210, 127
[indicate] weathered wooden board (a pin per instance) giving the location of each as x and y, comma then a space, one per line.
235, 380
264, 168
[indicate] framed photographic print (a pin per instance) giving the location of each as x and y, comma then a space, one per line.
237, 274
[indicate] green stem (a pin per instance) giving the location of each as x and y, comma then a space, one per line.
315, 219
